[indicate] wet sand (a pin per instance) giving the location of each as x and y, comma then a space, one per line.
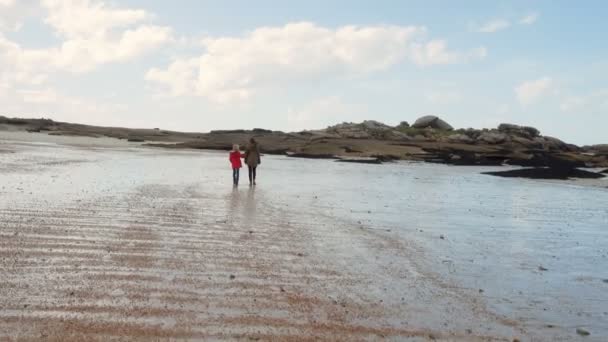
136, 243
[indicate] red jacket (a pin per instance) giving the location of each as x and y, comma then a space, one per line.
235, 159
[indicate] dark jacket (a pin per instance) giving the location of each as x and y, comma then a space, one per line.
252, 155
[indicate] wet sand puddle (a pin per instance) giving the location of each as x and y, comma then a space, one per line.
187, 259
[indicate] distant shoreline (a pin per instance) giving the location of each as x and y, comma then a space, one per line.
429, 139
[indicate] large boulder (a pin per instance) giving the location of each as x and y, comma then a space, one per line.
431, 121
522, 131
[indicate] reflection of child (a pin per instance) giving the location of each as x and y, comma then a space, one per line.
235, 161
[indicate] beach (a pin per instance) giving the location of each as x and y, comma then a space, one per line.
103, 239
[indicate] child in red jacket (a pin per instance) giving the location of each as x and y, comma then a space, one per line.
235, 161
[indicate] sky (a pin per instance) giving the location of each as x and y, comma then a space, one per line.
200, 65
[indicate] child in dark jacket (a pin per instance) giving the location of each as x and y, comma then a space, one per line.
235, 161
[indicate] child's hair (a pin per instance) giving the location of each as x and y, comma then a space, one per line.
235, 147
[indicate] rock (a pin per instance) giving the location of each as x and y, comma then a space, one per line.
541, 268
261, 131
523, 131
432, 122
350, 149
368, 129
403, 125
602, 148
229, 131
492, 138
419, 137
526, 142
311, 155
460, 138
582, 332
361, 160
232, 276
552, 144
373, 124
605, 171
546, 173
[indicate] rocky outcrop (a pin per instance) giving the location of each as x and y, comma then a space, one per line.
366, 130
431, 121
427, 140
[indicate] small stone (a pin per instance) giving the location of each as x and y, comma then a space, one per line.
541, 268
442, 237
282, 289
232, 276
480, 290
582, 332
605, 281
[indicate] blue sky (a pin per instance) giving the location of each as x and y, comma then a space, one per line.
199, 65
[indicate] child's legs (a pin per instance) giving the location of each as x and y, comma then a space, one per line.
235, 175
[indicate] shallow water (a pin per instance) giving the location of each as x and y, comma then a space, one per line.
418, 248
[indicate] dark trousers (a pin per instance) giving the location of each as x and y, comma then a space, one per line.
235, 176
251, 174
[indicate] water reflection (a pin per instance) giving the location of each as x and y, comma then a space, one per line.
250, 204
240, 204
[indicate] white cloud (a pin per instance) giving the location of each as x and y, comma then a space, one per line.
12, 14
232, 68
493, 26
436, 52
93, 34
529, 19
529, 92
85, 18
